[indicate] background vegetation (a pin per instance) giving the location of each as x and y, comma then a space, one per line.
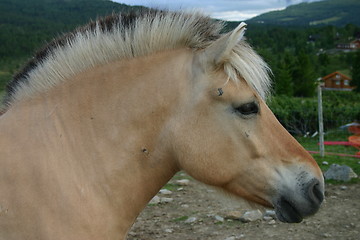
334, 12
300, 116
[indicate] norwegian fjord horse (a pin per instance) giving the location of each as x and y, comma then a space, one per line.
100, 119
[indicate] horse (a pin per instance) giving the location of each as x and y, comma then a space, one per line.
101, 118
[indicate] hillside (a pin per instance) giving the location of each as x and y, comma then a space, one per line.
327, 12
26, 25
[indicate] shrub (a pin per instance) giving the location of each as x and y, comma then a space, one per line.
299, 115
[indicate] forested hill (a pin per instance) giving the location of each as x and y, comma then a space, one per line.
27, 24
326, 12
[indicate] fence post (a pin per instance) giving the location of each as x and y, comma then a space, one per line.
321, 123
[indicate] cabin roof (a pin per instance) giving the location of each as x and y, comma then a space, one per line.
331, 75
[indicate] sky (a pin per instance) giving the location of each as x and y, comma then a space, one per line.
229, 10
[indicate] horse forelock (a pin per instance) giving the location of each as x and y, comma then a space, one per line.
245, 62
129, 35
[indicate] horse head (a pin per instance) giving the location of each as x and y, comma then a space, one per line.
225, 135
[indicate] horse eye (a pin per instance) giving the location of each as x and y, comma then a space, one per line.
248, 108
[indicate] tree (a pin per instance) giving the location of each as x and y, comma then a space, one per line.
324, 59
304, 76
356, 72
283, 78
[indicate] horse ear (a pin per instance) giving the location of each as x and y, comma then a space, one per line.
219, 51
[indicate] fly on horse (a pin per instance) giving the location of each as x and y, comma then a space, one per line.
101, 118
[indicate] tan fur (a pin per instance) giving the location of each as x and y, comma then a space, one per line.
82, 159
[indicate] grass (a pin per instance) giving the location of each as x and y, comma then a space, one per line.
311, 144
325, 21
171, 186
180, 219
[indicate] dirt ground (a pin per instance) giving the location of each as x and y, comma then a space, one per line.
338, 218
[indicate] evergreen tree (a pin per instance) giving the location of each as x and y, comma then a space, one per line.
283, 78
324, 59
356, 72
304, 76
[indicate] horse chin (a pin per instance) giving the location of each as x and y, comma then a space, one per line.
287, 212
304, 201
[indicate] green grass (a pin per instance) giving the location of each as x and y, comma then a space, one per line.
311, 144
180, 219
325, 21
171, 186
286, 19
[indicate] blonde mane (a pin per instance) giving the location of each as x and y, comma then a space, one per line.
122, 36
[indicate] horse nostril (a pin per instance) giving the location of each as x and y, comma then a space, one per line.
315, 193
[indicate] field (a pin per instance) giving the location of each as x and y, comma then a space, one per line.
311, 144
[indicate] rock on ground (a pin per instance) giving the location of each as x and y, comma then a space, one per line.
155, 200
165, 192
340, 173
234, 215
191, 220
251, 216
183, 182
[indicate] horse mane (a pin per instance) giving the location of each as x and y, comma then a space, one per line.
129, 35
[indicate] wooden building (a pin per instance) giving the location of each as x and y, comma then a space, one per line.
336, 81
354, 45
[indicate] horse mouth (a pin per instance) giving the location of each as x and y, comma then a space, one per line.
287, 212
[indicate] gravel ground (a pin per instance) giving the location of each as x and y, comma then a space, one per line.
197, 211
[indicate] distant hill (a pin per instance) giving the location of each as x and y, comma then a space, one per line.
326, 12
27, 24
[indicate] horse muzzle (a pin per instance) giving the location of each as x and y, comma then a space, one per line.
304, 200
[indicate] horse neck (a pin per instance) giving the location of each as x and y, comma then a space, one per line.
105, 129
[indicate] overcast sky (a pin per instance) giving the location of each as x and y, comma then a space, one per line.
230, 10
